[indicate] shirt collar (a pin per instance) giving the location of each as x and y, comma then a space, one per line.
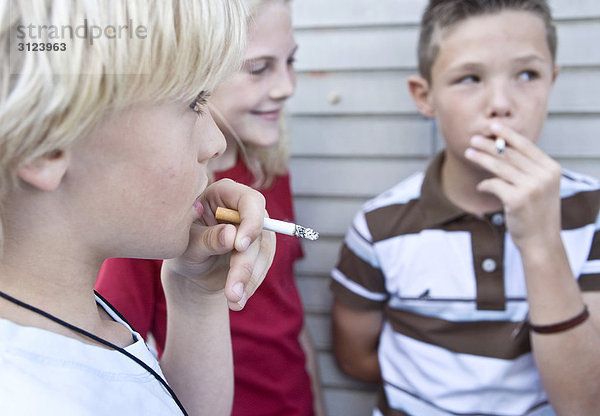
437, 209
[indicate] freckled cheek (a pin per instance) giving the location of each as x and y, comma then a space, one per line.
185, 177
172, 174
176, 181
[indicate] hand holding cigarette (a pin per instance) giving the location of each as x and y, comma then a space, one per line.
282, 227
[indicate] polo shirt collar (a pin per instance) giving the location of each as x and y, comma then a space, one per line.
437, 209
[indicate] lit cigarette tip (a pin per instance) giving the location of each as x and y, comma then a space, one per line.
282, 227
305, 232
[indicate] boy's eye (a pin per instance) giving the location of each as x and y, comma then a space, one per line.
468, 79
199, 102
528, 75
291, 60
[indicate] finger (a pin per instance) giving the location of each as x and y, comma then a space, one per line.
248, 269
241, 269
501, 189
482, 153
512, 185
512, 165
204, 248
518, 142
263, 261
211, 240
249, 202
207, 252
252, 213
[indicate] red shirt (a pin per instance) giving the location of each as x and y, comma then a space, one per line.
269, 363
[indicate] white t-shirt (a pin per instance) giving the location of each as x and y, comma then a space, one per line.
43, 373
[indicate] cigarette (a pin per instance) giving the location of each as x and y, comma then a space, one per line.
278, 226
500, 145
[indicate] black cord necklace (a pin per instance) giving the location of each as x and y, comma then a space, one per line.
97, 339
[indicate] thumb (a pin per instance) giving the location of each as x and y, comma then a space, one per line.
207, 241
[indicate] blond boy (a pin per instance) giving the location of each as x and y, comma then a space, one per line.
104, 146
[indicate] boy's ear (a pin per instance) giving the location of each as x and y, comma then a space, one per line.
419, 89
45, 172
555, 73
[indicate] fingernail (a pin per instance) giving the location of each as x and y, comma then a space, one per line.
245, 242
238, 289
243, 300
222, 240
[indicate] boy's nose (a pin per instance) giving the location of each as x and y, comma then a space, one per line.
499, 103
213, 141
284, 85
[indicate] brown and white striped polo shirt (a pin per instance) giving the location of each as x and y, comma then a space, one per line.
453, 291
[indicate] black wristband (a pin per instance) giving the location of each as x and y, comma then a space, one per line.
561, 326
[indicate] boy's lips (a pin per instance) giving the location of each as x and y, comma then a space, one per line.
199, 208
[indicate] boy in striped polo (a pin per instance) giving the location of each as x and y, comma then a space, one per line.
474, 287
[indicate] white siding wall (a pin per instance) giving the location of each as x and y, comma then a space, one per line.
356, 132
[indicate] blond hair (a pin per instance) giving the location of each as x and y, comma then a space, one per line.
51, 99
265, 163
